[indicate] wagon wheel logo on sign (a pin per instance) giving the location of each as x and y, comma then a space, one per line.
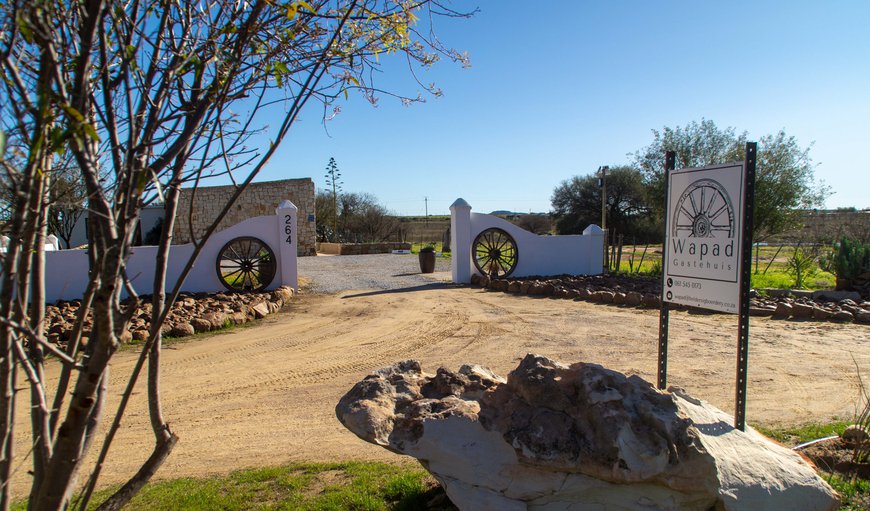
704, 210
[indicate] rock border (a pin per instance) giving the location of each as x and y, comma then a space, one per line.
645, 292
192, 313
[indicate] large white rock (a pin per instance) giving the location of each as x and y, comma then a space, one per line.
578, 438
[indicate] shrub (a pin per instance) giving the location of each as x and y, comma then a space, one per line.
849, 259
801, 266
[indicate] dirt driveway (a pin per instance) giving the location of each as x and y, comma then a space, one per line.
265, 394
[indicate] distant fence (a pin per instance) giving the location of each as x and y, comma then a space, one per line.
536, 255
67, 271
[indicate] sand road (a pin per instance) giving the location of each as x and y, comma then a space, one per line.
265, 394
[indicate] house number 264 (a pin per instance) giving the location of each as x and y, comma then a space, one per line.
288, 229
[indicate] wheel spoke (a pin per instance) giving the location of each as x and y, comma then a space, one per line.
710, 205
686, 211
715, 215
239, 256
231, 263
227, 275
490, 243
237, 278
703, 189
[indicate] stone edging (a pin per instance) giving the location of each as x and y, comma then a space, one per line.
646, 293
191, 314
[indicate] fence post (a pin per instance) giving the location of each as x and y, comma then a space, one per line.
460, 241
288, 240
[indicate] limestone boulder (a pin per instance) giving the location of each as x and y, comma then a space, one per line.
577, 437
283, 293
181, 329
200, 325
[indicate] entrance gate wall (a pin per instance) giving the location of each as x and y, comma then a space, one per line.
537, 255
66, 271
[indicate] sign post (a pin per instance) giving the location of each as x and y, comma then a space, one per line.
665, 311
707, 251
745, 276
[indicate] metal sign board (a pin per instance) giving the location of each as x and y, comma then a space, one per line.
703, 239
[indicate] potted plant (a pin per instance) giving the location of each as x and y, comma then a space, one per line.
427, 259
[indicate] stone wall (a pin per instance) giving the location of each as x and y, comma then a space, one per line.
361, 248
258, 199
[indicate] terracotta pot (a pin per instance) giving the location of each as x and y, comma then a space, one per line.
427, 262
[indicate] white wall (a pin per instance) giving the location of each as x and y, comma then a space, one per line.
66, 271
536, 255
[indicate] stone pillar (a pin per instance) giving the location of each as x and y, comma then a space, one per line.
460, 241
288, 240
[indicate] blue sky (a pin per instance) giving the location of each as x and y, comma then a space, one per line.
557, 89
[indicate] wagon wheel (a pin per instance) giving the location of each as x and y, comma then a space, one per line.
246, 264
494, 253
704, 210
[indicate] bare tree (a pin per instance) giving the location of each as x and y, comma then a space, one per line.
157, 94
364, 220
66, 201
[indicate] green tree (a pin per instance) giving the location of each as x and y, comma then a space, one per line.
785, 181
537, 223
577, 203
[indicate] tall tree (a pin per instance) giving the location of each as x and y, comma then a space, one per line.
334, 182
158, 94
785, 180
577, 203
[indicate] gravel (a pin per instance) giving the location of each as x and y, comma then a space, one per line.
332, 274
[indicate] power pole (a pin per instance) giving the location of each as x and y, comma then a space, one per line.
602, 182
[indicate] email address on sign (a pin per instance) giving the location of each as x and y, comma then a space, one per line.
705, 301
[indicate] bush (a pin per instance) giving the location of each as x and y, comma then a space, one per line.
849, 259
801, 266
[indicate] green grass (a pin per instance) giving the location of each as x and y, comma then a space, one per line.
855, 493
772, 269
305, 486
795, 435
415, 248
363, 486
